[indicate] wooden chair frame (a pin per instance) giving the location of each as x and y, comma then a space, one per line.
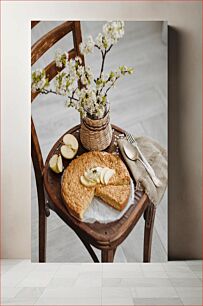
108, 246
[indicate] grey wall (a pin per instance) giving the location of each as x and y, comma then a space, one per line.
184, 114
184, 110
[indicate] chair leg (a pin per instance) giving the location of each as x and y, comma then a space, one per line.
42, 235
149, 216
108, 255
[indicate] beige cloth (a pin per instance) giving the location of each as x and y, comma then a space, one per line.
157, 158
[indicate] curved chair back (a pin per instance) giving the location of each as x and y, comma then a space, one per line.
37, 51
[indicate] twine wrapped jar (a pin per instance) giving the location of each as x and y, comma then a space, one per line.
96, 134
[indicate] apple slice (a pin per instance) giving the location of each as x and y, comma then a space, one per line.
107, 176
56, 164
60, 164
103, 171
53, 163
86, 182
99, 170
88, 176
71, 142
93, 174
67, 152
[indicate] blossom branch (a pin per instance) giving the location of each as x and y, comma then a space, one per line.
103, 59
46, 91
99, 49
111, 85
84, 92
102, 66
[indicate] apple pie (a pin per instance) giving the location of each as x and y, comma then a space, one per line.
81, 182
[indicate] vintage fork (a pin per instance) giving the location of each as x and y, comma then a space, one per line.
130, 138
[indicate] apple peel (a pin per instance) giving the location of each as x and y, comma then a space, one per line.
56, 164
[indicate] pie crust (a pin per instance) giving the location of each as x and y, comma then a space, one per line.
78, 197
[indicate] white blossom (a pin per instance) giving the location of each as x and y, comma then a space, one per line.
88, 46
82, 91
100, 110
87, 100
71, 68
61, 58
39, 80
114, 30
86, 75
80, 71
126, 70
65, 84
100, 82
113, 76
103, 42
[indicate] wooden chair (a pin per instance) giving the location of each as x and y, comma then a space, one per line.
106, 237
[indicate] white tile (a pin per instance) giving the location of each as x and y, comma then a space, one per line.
72, 292
196, 268
5, 268
89, 279
181, 274
21, 301
9, 292
69, 301
189, 291
175, 263
15, 275
68, 271
113, 282
122, 267
176, 267
155, 274
12, 262
91, 267
46, 267
193, 262
123, 274
152, 267
185, 282
61, 282
30, 292
153, 292
136, 282
36, 279
117, 301
198, 274
157, 301
4, 301
147, 282
90, 274
192, 301
116, 292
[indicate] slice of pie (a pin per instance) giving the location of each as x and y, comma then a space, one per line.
116, 196
78, 197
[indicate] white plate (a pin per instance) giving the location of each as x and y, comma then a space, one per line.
103, 213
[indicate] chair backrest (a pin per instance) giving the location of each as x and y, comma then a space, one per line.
37, 50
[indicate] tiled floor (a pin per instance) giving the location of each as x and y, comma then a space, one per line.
172, 283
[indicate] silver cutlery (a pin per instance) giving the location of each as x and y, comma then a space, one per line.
133, 152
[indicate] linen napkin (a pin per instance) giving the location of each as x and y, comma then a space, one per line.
157, 158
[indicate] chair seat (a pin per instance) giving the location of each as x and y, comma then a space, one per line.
101, 236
